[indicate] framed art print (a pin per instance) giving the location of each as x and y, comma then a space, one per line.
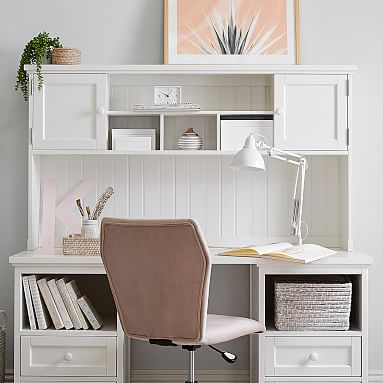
231, 32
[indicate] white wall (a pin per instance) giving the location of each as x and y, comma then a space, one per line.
350, 31
123, 32
112, 32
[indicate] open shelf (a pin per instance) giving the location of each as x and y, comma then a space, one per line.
204, 126
355, 320
96, 288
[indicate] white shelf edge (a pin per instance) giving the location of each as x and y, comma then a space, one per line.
109, 328
346, 333
196, 69
130, 113
166, 152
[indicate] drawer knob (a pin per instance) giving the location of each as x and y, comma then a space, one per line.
100, 111
314, 356
278, 111
68, 356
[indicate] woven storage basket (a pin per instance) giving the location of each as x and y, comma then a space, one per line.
66, 56
318, 304
76, 245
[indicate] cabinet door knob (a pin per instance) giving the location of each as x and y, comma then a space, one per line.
100, 111
314, 356
278, 111
68, 356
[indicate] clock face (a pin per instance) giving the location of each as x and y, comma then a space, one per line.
165, 95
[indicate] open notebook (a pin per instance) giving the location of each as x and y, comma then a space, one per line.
284, 251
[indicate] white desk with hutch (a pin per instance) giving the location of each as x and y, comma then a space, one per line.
70, 120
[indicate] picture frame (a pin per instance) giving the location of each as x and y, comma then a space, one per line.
231, 32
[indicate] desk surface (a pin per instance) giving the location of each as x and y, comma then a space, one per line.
41, 257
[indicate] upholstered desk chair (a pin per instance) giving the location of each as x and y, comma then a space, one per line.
159, 273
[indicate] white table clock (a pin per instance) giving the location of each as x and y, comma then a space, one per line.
165, 95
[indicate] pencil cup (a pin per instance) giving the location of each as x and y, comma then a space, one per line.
90, 229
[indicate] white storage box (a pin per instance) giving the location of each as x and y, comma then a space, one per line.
133, 143
235, 131
133, 139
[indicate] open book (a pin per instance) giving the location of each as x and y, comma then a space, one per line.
285, 252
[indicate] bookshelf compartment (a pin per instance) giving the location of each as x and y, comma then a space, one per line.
96, 288
355, 320
211, 91
135, 122
204, 126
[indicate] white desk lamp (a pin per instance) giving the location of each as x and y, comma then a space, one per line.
250, 159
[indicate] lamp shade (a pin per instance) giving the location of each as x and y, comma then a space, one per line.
248, 158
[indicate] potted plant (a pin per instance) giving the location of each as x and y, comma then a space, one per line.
39, 48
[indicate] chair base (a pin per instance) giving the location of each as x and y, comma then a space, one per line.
191, 371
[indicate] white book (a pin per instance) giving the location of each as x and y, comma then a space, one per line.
74, 293
90, 312
61, 285
28, 302
50, 303
42, 316
305, 253
60, 304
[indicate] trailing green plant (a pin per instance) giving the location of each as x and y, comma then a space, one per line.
35, 51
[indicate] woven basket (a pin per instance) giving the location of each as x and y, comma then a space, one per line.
66, 56
76, 245
312, 305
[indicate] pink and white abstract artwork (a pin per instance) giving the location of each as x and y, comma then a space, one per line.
231, 31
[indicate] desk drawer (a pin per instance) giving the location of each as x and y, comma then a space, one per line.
313, 356
68, 356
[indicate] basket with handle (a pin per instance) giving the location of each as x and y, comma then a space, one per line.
3, 325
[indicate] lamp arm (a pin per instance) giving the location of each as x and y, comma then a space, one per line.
273, 152
301, 163
296, 223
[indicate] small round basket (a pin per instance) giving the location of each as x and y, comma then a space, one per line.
66, 56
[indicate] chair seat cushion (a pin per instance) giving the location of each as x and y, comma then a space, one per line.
222, 328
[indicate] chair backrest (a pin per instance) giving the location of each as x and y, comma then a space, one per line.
159, 273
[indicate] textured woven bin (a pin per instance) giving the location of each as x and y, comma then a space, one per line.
66, 56
318, 304
76, 245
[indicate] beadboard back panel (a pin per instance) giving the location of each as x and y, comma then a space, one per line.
244, 92
233, 208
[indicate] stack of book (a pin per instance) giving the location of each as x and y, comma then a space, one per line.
58, 301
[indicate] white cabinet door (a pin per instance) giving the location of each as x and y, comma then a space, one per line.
69, 112
310, 112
